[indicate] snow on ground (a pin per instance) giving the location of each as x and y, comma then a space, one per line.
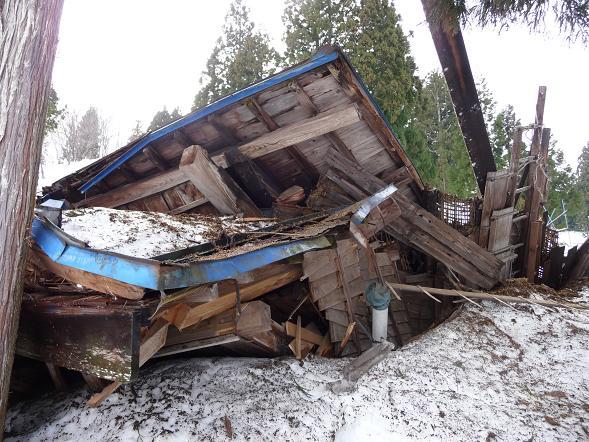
570, 239
490, 373
148, 234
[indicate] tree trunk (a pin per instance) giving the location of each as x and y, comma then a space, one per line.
28, 39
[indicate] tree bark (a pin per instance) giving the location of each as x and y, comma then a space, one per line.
28, 39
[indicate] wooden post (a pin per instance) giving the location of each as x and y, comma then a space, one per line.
27, 49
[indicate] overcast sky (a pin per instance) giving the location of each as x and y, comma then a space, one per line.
129, 58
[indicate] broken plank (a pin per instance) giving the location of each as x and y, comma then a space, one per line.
89, 280
154, 339
98, 398
269, 279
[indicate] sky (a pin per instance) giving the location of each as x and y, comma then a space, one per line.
130, 58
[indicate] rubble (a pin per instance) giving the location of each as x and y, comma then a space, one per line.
255, 225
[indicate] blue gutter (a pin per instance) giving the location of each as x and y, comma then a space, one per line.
152, 274
317, 60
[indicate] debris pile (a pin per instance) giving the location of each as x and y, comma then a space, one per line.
283, 219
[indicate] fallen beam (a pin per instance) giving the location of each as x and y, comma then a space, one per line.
215, 184
274, 277
489, 296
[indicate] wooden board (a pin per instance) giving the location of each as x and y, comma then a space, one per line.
99, 283
103, 341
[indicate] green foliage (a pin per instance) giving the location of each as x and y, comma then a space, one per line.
582, 176
55, 114
436, 118
501, 135
310, 24
563, 187
240, 57
572, 16
162, 118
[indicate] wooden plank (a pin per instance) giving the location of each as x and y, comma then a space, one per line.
100, 340
154, 339
135, 191
496, 190
98, 398
56, 376
490, 296
215, 184
189, 206
89, 280
306, 335
254, 319
500, 229
267, 279
297, 346
295, 133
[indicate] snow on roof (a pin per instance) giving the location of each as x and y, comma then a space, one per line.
490, 373
149, 234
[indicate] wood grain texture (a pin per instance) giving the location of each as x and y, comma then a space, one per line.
28, 40
215, 184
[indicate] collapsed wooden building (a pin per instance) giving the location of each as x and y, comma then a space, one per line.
279, 217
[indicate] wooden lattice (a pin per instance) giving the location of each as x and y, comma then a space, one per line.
460, 213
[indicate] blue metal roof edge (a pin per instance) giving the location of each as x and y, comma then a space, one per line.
319, 59
152, 274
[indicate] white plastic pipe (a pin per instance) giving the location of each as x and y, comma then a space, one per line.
380, 319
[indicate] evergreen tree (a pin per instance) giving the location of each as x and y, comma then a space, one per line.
137, 131
240, 57
85, 137
583, 180
563, 187
437, 119
501, 135
572, 16
163, 118
370, 34
310, 24
55, 114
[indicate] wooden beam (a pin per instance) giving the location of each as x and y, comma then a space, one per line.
135, 191
154, 156
56, 376
298, 132
489, 296
301, 161
215, 184
306, 335
99, 283
189, 206
306, 102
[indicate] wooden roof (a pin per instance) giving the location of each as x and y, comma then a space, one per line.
266, 138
